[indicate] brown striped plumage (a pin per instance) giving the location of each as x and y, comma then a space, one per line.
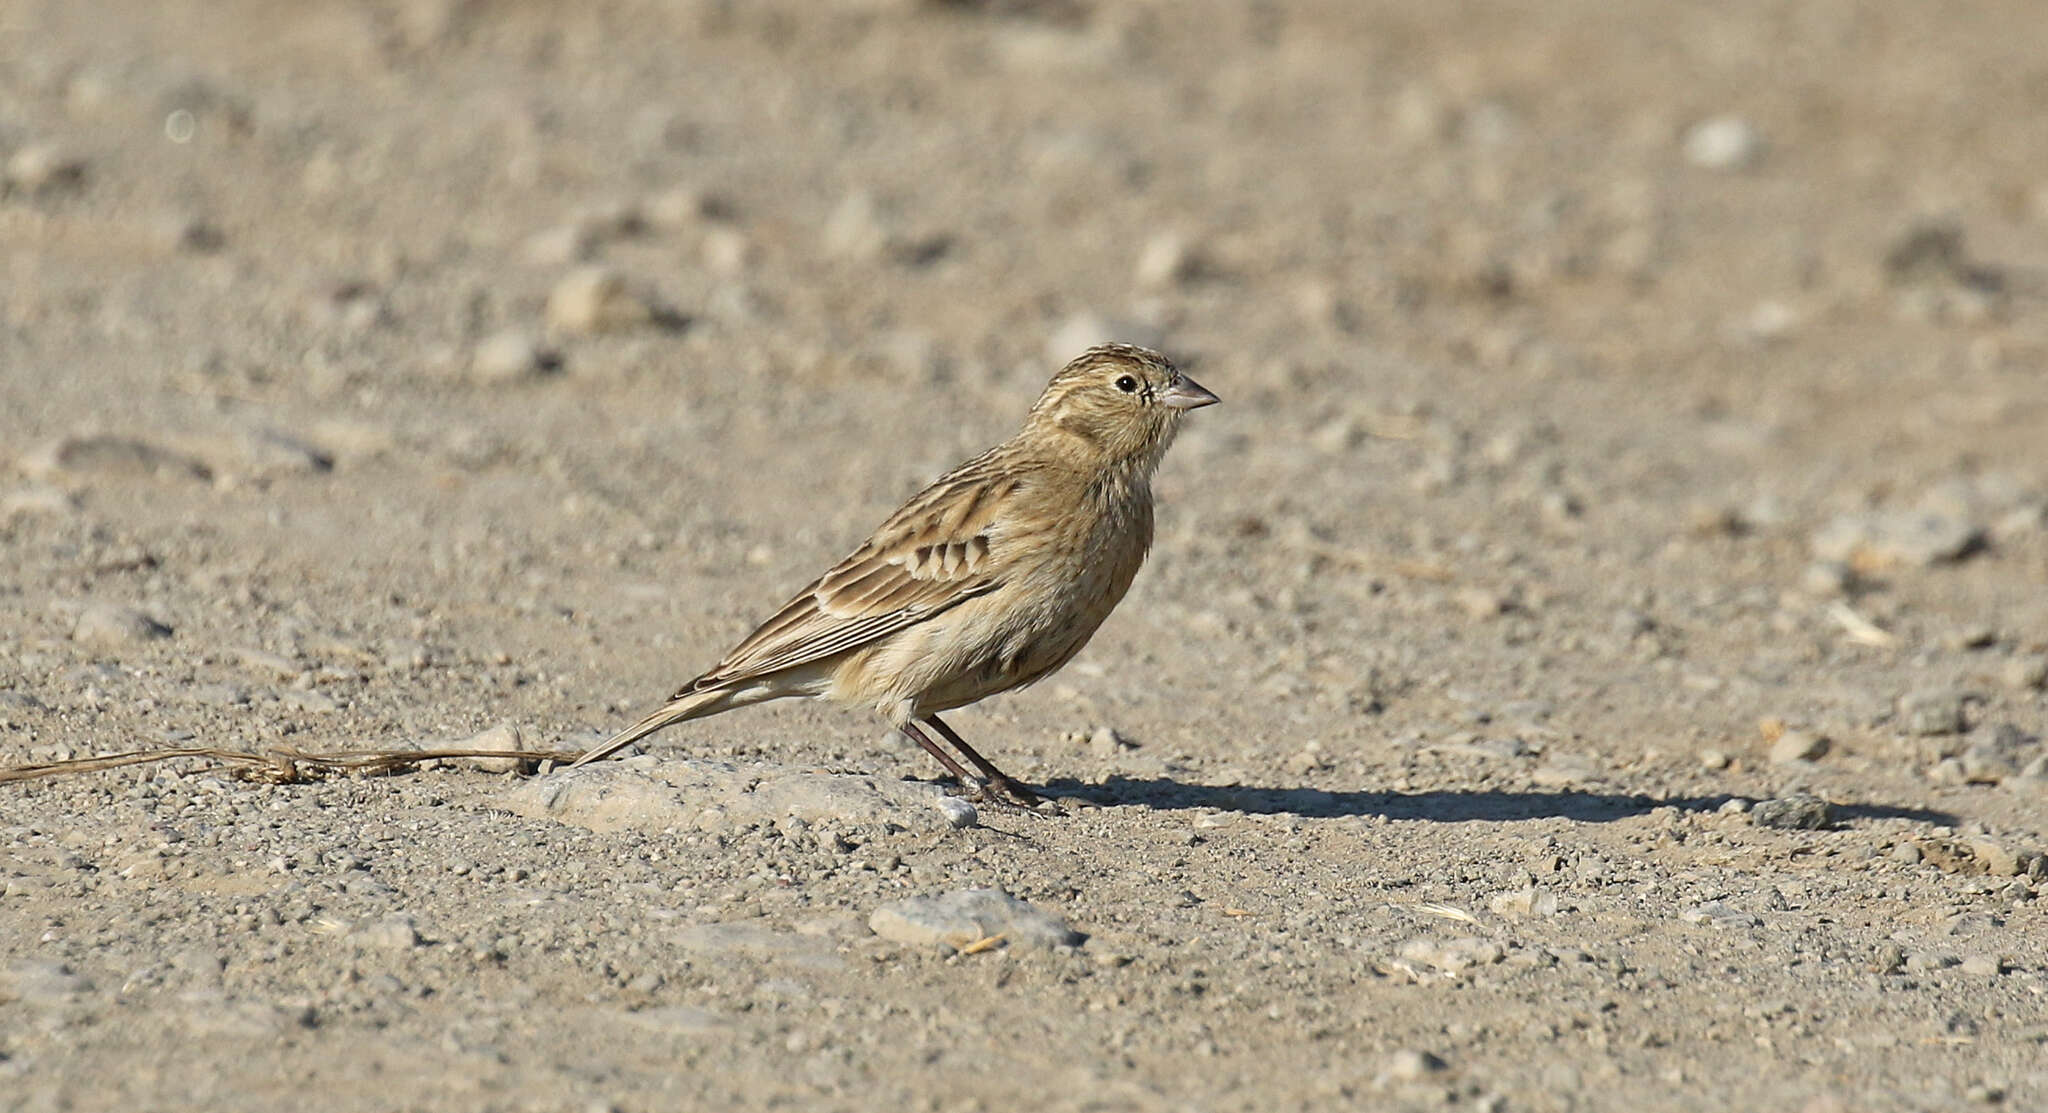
987, 580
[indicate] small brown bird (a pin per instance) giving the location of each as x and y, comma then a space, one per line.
987, 580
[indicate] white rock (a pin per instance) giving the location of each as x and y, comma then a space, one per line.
43, 167
1884, 539
1410, 1065
507, 356
684, 206
969, 916
1798, 745
395, 932
503, 736
1451, 956
110, 624
1724, 143
594, 299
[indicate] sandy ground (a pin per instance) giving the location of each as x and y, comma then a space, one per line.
1634, 419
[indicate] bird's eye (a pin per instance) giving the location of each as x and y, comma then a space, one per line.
1126, 383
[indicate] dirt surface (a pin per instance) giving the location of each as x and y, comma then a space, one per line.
1633, 420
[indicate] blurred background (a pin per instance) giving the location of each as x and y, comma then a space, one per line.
1591, 305
1624, 404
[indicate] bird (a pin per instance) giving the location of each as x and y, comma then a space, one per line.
988, 580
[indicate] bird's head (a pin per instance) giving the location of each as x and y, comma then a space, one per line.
1119, 402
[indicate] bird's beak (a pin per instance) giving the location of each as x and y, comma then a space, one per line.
1187, 394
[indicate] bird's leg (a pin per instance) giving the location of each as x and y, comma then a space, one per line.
934, 749
998, 780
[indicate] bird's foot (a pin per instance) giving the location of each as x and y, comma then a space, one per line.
1006, 793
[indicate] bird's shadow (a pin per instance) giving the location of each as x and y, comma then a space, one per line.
1167, 794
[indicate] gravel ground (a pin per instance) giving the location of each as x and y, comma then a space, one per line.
1594, 660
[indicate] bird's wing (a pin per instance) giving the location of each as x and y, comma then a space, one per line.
947, 545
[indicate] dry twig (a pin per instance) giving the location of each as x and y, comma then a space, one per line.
279, 764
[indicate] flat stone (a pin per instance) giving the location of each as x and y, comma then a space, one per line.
44, 168
395, 932
509, 356
1879, 539
1998, 753
111, 455
1411, 1065
962, 918
1718, 914
1451, 956
1930, 711
593, 300
2026, 673
1798, 745
110, 624
503, 736
1984, 966
649, 794
1724, 143
1798, 811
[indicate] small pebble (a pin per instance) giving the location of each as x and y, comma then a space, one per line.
1920, 538
1931, 711
959, 813
593, 300
394, 932
968, 916
503, 736
1411, 1065
685, 206
40, 168
1799, 811
2026, 673
1969, 638
1451, 956
1997, 858
1986, 966
1105, 742
1718, 914
1724, 143
507, 356
1998, 753
1798, 745
1827, 579
110, 624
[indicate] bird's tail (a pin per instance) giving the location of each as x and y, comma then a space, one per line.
683, 708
